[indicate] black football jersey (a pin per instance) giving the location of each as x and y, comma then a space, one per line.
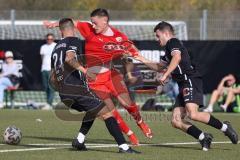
66, 75
185, 68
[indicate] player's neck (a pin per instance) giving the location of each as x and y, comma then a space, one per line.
108, 32
68, 34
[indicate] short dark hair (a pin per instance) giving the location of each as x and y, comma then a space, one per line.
66, 23
164, 26
101, 12
49, 34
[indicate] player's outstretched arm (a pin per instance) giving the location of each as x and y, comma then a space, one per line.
73, 62
176, 58
153, 65
49, 24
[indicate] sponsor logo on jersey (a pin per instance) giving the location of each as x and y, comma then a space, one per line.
109, 47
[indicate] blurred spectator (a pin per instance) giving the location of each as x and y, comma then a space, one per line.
226, 90
170, 88
45, 52
9, 76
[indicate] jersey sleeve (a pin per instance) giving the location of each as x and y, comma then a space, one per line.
174, 45
74, 46
84, 28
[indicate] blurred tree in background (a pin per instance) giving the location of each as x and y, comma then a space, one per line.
132, 5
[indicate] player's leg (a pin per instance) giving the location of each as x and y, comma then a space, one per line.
119, 90
214, 97
179, 121
225, 127
229, 99
94, 107
103, 93
87, 123
133, 110
122, 124
115, 130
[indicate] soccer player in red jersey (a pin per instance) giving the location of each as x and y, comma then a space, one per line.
104, 44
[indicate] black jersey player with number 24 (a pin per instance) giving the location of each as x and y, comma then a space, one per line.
67, 77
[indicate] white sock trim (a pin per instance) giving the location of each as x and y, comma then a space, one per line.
201, 136
140, 121
80, 137
124, 146
129, 132
224, 127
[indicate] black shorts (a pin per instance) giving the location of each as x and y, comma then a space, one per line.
81, 98
190, 91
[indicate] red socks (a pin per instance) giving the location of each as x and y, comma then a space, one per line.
122, 125
134, 111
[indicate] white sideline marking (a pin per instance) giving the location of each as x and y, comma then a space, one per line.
96, 145
30, 149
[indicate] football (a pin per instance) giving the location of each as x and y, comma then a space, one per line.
12, 135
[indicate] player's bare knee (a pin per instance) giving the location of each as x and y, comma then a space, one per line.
126, 103
106, 115
176, 123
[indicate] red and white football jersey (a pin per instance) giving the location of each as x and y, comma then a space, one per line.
101, 49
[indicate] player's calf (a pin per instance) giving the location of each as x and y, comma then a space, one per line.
115, 131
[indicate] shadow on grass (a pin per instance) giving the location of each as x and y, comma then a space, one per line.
94, 150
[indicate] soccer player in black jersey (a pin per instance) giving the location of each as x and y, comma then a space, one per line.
190, 98
68, 78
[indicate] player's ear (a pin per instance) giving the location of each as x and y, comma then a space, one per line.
105, 20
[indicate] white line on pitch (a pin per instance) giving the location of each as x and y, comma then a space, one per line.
104, 146
29, 149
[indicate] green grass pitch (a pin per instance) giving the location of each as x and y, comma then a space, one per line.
51, 139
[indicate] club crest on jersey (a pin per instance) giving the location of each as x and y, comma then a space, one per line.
119, 39
186, 91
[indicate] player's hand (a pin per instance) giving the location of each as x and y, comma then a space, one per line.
49, 24
139, 58
164, 79
132, 80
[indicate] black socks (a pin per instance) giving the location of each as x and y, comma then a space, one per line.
114, 130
